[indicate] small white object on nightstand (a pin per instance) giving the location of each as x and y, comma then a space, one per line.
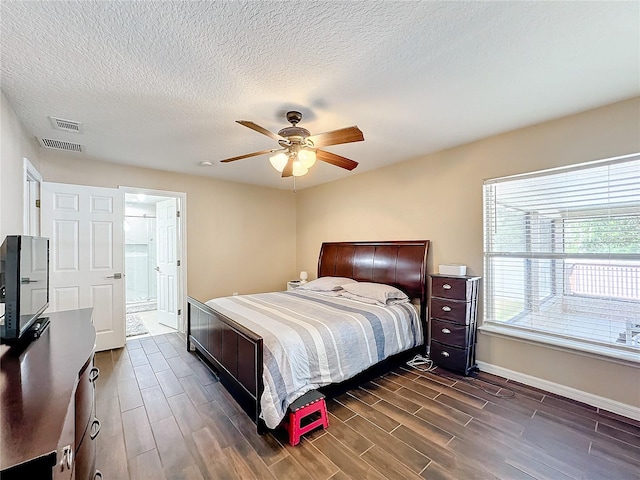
452, 269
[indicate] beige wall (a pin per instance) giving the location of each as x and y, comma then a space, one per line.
15, 144
241, 238
439, 197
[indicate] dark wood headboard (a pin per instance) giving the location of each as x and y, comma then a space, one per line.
402, 264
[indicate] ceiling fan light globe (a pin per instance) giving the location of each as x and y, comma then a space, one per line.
279, 161
299, 168
307, 157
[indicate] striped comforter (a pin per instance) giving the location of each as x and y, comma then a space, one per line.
312, 339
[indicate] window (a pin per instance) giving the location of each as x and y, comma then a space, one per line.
562, 255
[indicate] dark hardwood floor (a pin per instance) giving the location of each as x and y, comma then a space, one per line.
164, 415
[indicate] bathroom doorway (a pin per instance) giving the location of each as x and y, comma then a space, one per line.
152, 234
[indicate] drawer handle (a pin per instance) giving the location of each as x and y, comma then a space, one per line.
94, 374
446, 308
98, 475
444, 354
446, 286
67, 458
95, 428
446, 331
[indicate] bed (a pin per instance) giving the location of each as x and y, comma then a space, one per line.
232, 339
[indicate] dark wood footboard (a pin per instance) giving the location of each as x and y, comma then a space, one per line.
234, 351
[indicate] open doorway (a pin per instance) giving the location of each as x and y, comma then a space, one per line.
153, 240
31, 190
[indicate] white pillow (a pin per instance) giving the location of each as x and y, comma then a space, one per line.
381, 293
326, 284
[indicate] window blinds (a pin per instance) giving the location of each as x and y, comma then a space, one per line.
562, 252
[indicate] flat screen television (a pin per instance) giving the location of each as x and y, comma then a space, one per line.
24, 284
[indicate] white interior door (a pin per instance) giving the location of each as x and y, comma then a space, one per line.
167, 268
86, 232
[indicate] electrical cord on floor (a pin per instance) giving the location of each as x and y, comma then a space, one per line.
422, 363
425, 364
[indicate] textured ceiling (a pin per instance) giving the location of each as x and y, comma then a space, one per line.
160, 84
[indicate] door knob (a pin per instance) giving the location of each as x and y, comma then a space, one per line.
117, 276
157, 269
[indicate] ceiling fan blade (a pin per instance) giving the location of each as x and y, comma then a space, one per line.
260, 129
336, 160
240, 157
336, 137
287, 171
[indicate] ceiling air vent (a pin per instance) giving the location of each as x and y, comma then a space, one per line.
66, 125
60, 145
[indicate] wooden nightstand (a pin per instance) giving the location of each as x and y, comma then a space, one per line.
454, 308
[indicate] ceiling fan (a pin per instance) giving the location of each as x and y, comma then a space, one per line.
299, 149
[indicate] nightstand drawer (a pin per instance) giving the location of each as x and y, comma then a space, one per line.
450, 287
449, 333
451, 358
455, 311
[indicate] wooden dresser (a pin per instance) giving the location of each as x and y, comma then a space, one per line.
454, 307
47, 414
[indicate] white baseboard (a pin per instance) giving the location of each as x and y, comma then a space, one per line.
589, 398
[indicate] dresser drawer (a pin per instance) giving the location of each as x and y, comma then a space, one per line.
449, 333
452, 310
85, 466
450, 287
85, 399
451, 358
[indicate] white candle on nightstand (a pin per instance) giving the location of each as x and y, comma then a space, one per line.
303, 277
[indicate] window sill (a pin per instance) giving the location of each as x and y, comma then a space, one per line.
602, 352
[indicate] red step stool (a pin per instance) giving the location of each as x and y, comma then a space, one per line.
309, 403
